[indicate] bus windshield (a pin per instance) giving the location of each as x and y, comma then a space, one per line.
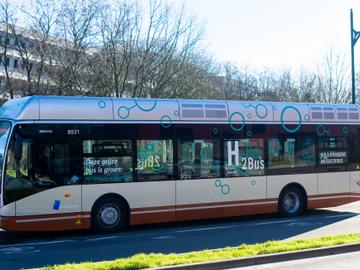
4, 134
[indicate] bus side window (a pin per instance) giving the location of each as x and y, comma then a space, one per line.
107, 161
198, 159
154, 160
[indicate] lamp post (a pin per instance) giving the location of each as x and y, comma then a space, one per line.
354, 38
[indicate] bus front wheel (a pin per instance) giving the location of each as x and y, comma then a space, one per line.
109, 215
291, 202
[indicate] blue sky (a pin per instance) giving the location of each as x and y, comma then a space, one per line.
277, 34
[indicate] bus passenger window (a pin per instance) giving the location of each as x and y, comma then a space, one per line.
244, 157
199, 159
154, 160
291, 152
107, 161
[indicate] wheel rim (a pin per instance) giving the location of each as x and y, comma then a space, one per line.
291, 202
109, 215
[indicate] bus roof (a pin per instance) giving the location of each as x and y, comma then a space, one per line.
167, 111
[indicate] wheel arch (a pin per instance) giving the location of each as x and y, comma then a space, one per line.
116, 196
298, 186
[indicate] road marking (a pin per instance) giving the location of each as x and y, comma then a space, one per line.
274, 222
37, 243
206, 229
342, 215
163, 237
103, 238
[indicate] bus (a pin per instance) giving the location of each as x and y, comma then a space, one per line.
105, 163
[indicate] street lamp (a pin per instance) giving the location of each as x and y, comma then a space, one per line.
354, 38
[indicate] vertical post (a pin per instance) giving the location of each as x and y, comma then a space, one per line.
352, 58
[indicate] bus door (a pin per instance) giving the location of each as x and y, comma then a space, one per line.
198, 190
45, 179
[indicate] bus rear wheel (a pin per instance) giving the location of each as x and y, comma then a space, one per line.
291, 202
109, 215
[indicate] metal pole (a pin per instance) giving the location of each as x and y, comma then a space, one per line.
352, 58
354, 38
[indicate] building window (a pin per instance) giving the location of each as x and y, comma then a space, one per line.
154, 160
106, 161
199, 159
244, 157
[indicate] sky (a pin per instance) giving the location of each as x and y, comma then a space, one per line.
279, 34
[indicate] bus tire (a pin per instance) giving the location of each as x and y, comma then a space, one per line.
109, 215
291, 202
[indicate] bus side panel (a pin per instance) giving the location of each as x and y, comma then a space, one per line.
7, 210
149, 202
275, 183
334, 189
198, 199
355, 186
247, 196
51, 210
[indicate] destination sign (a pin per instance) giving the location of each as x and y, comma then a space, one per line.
333, 157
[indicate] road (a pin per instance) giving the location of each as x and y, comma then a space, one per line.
348, 261
35, 250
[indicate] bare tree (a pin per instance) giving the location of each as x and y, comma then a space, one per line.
36, 45
333, 79
7, 19
76, 29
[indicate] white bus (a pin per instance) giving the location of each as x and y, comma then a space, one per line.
104, 163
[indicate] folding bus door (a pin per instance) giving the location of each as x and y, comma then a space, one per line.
52, 171
199, 190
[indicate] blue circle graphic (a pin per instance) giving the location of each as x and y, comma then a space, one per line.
123, 112
232, 124
225, 189
253, 182
165, 121
306, 117
101, 104
218, 183
264, 111
249, 133
321, 130
345, 130
282, 120
249, 115
141, 107
176, 113
215, 131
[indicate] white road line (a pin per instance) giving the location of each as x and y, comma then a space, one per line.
274, 222
206, 229
342, 215
38, 243
102, 238
163, 237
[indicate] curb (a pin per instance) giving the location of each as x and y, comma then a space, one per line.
263, 259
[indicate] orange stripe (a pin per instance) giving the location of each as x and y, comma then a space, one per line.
193, 214
246, 210
10, 224
152, 218
329, 202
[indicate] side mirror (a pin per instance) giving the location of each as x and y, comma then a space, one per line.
18, 148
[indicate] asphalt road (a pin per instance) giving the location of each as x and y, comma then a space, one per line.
348, 261
36, 250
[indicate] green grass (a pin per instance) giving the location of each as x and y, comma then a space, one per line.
141, 261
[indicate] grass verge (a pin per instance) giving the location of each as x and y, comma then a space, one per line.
141, 261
